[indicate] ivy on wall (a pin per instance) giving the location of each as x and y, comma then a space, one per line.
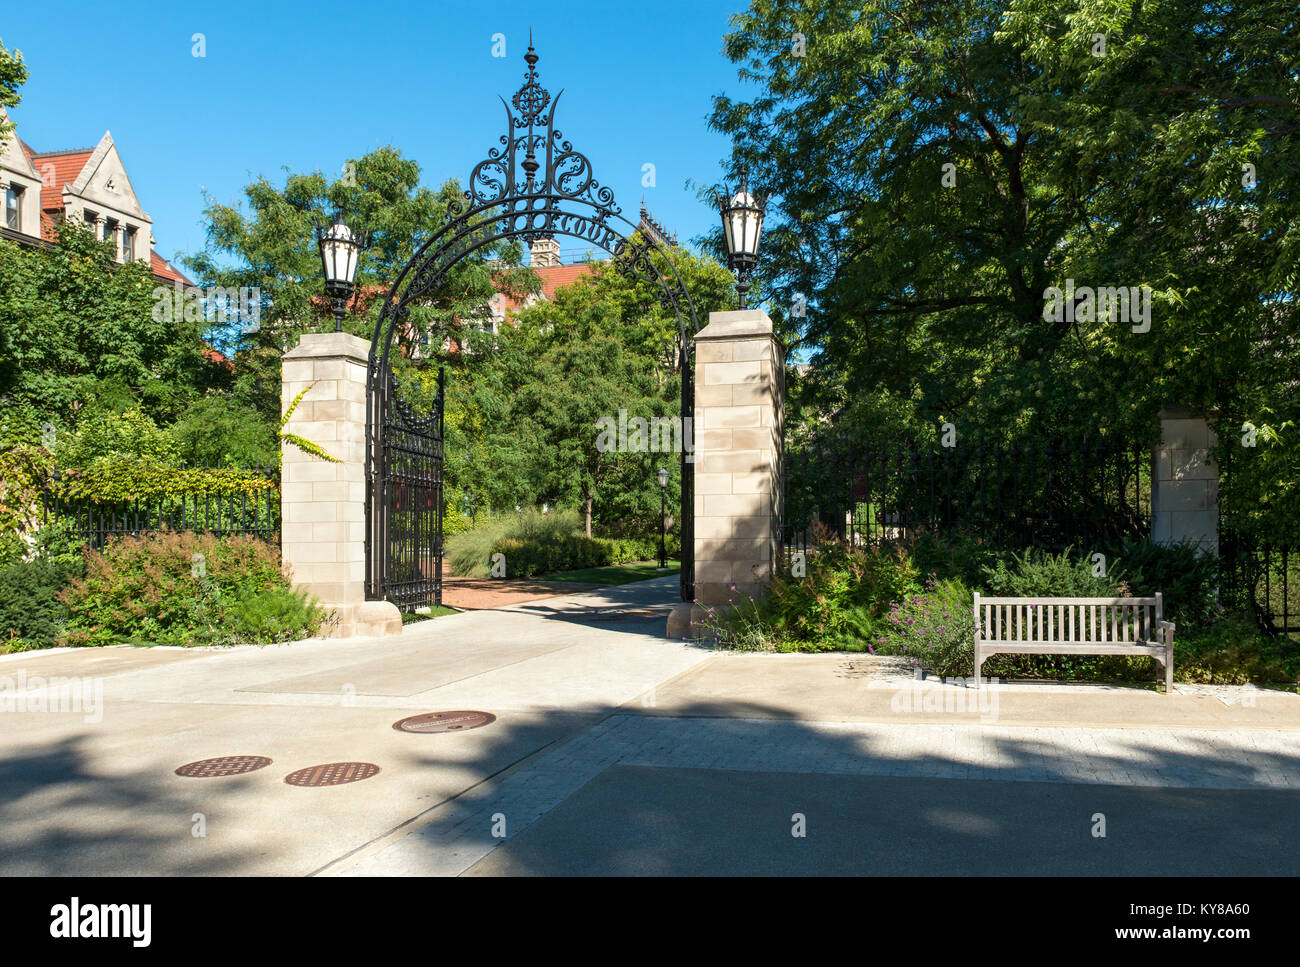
23, 470
119, 479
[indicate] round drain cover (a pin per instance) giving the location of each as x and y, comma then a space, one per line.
332, 774
445, 721
226, 765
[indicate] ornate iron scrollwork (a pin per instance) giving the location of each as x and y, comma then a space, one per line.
535, 185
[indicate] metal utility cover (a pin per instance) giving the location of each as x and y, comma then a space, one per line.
226, 765
456, 721
332, 774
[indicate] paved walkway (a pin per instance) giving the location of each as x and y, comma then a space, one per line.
478, 594
614, 750
462, 834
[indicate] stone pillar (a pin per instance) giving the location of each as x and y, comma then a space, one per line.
322, 504
1185, 482
739, 402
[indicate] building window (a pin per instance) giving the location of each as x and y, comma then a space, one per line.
91, 218
14, 208
128, 245
110, 233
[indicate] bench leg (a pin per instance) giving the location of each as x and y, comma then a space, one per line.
1169, 671
979, 681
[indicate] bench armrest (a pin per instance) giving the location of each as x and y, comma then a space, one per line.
1167, 629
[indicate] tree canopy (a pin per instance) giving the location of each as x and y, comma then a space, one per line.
937, 169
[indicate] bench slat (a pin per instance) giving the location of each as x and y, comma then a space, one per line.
1058, 648
1109, 601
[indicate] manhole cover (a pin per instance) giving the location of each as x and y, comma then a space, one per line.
332, 774
445, 721
226, 765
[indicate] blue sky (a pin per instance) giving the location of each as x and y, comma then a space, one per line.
309, 85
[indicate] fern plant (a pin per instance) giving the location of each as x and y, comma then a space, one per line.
301, 442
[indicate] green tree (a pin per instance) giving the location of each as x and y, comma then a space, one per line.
13, 75
76, 326
577, 382
936, 169
270, 245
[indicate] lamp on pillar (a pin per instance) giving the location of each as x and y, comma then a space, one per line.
340, 253
742, 226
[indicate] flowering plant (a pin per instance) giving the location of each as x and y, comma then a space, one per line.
935, 628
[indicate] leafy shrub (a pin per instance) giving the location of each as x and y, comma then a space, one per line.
838, 605
1038, 574
116, 479
278, 614
109, 432
935, 628
32, 573
157, 589
962, 557
1187, 580
31, 614
526, 558
1233, 651
59, 543
536, 543
220, 431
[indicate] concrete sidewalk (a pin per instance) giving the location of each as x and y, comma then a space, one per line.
580, 683
866, 688
93, 792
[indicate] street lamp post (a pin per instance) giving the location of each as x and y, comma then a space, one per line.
340, 253
742, 227
663, 517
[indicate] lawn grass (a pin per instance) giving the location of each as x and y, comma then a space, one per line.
436, 611
615, 574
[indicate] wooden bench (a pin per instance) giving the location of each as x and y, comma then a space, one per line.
1074, 626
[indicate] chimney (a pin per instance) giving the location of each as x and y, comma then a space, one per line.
544, 252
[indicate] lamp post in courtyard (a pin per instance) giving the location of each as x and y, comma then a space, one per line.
340, 253
663, 517
742, 226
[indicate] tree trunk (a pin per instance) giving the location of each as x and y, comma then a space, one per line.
589, 501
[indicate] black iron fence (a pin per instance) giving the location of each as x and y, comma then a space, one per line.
253, 513
1052, 496
1265, 578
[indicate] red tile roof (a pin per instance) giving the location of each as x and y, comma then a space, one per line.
216, 356
552, 277
67, 167
165, 270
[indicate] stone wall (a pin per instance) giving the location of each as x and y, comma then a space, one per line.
322, 522
1185, 482
739, 399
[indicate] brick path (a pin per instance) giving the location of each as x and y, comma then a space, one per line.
483, 594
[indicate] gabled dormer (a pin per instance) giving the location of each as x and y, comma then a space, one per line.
92, 186
20, 188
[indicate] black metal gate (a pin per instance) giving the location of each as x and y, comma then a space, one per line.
537, 185
403, 495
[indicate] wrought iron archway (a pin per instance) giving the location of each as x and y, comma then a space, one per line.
535, 186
